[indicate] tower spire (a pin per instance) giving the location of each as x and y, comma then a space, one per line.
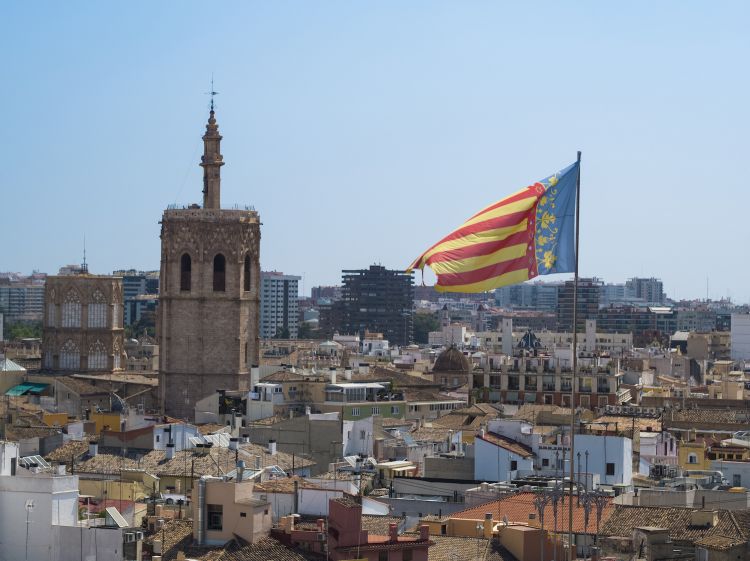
212, 160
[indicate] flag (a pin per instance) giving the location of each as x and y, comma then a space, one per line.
527, 234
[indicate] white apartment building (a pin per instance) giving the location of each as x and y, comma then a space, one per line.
279, 313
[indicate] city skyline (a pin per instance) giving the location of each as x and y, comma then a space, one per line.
379, 142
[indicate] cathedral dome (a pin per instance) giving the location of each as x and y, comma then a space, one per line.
452, 360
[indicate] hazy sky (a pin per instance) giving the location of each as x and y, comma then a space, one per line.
365, 131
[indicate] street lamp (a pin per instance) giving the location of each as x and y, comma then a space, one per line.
29, 507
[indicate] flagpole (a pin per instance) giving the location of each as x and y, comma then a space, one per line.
572, 548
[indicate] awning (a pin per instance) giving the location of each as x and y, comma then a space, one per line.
27, 388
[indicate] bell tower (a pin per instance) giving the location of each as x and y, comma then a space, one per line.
209, 293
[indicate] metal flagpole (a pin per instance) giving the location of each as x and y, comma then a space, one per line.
571, 547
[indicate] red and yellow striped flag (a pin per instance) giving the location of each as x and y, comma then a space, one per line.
513, 240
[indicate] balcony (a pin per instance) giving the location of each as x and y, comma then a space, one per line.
549, 387
566, 387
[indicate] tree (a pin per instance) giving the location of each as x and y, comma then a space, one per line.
423, 324
24, 330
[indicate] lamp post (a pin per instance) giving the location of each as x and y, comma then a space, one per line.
29, 507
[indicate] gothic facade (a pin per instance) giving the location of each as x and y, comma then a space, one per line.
82, 330
208, 293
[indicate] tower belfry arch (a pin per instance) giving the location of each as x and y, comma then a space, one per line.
209, 299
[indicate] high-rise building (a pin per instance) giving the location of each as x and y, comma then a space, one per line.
22, 297
539, 296
649, 290
279, 313
209, 303
82, 329
135, 284
378, 300
587, 303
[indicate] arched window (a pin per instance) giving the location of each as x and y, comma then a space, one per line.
185, 272
97, 359
220, 267
246, 274
98, 310
71, 310
70, 357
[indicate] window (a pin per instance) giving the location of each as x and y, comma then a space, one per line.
355, 412
97, 359
186, 267
736, 480
220, 266
376, 410
395, 410
215, 517
243, 514
70, 356
246, 274
610, 468
545, 462
157, 438
407, 555
692, 458
71, 310
513, 465
362, 435
51, 315
382, 556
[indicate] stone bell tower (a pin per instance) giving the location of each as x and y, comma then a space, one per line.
209, 297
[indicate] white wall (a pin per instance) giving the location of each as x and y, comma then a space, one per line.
732, 469
8, 451
602, 450
314, 502
493, 463
353, 443
55, 503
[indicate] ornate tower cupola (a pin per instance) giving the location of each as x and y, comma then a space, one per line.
211, 162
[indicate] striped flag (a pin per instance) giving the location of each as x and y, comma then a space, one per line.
527, 234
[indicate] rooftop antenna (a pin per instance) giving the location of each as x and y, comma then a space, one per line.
84, 266
213, 92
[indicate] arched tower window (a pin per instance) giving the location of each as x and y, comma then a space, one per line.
246, 274
220, 267
185, 272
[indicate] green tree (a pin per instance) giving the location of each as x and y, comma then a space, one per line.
423, 324
23, 330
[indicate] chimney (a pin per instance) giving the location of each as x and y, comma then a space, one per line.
488, 526
333, 375
424, 532
233, 443
348, 373
272, 447
93, 448
254, 376
245, 438
393, 532
321, 525
170, 451
240, 470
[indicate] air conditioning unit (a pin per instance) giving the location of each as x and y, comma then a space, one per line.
321, 536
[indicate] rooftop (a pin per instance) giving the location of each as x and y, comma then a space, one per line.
517, 508
507, 444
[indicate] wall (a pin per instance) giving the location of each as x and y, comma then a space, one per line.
607, 449
449, 468
88, 544
55, 502
732, 469
227, 494
8, 452
319, 438
493, 463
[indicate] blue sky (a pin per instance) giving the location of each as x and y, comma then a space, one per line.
364, 131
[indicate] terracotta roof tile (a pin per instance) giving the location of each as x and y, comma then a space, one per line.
677, 520
518, 507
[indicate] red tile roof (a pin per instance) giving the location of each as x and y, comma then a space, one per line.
518, 507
